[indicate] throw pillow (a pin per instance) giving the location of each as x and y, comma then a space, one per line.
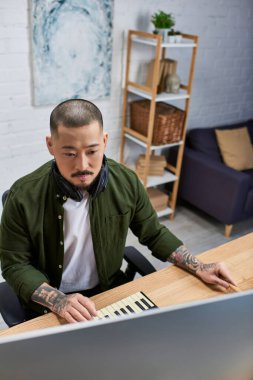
236, 148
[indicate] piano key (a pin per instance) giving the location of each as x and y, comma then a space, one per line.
102, 313
130, 309
110, 310
130, 302
117, 309
144, 301
140, 296
151, 303
122, 307
138, 303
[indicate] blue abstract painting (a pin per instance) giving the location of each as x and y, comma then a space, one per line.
72, 49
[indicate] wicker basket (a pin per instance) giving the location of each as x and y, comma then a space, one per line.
168, 122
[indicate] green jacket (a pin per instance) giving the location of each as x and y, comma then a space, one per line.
32, 241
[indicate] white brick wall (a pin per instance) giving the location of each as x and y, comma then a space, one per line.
222, 91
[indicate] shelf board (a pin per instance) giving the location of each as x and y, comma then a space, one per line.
159, 180
156, 180
164, 212
152, 147
163, 96
153, 42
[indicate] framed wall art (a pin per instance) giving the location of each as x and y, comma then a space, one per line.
71, 49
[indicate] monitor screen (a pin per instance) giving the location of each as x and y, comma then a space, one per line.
207, 340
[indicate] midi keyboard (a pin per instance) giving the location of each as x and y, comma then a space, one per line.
136, 303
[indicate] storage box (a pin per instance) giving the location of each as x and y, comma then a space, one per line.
168, 121
158, 199
156, 165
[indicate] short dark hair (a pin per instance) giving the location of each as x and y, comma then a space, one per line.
74, 113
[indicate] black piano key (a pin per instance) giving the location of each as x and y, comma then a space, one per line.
107, 316
148, 299
123, 311
139, 305
116, 312
130, 309
145, 303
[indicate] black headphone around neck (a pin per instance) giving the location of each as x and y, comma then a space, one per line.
73, 192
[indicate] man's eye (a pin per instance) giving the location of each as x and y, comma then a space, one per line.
70, 154
92, 152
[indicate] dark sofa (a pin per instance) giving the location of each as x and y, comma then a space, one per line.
207, 183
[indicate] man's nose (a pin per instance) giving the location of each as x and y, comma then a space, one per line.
82, 162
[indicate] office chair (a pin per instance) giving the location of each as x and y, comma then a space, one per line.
12, 311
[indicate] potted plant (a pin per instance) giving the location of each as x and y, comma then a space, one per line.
163, 22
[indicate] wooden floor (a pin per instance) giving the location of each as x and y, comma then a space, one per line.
198, 231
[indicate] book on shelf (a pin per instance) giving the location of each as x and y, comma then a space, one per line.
158, 199
157, 164
167, 66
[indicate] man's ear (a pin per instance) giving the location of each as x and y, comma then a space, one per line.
50, 145
105, 139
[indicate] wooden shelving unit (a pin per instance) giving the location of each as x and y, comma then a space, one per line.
172, 173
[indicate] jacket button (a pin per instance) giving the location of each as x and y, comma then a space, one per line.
45, 311
60, 266
64, 198
61, 242
59, 216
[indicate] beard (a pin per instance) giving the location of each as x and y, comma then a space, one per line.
83, 187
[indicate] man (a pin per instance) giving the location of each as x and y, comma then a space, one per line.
64, 226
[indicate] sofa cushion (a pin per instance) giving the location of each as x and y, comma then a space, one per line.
236, 148
203, 140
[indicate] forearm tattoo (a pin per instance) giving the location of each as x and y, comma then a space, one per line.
52, 298
182, 258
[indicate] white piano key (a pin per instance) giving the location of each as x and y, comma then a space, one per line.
102, 313
111, 311
116, 310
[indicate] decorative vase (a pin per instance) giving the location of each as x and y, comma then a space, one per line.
173, 83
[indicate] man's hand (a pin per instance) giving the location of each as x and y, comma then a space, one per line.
72, 307
213, 273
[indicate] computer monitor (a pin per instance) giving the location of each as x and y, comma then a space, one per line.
207, 340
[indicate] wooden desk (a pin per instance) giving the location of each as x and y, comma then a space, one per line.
171, 285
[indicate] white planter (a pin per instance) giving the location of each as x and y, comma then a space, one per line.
171, 39
164, 34
178, 38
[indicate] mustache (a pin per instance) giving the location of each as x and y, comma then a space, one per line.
83, 172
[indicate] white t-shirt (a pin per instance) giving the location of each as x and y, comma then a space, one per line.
79, 268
